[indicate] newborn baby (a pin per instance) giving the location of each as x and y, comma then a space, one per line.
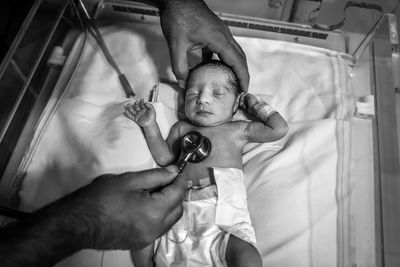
215, 229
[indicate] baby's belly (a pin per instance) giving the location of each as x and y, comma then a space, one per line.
196, 172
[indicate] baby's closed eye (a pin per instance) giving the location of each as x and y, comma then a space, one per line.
219, 92
191, 92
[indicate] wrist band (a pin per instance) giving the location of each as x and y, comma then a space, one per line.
263, 110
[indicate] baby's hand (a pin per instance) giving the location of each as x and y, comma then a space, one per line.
247, 101
142, 113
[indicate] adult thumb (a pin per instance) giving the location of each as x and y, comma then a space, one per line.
178, 51
151, 179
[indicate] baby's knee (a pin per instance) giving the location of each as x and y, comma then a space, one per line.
239, 253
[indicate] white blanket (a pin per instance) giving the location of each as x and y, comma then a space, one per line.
296, 186
294, 195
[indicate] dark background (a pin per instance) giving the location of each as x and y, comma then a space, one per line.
12, 15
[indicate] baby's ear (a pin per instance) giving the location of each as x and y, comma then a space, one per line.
237, 102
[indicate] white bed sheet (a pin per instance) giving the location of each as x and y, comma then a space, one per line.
297, 187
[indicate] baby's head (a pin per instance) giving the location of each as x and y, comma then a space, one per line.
212, 91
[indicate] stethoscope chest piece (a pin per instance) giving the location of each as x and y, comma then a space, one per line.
195, 148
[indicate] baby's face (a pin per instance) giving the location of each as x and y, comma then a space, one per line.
209, 101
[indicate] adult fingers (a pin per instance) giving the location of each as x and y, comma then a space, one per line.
244, 60
172, 217
239, 66
231, 53
151, 179
178, 51
238, 48
173, 193
177, 186
206, 53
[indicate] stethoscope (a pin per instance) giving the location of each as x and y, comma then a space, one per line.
195, 148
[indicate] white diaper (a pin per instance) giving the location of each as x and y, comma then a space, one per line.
210, 215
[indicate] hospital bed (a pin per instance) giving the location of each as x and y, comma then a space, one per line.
325, 195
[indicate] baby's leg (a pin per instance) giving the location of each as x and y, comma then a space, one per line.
239, 253
144, 257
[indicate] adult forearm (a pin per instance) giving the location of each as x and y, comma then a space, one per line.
41, 240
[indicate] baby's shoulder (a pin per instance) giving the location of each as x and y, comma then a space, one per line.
236, 126
232, 128
238, 129
181, 126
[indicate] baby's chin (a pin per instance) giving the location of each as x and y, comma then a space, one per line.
207, 123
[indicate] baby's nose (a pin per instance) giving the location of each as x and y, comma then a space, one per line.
204, 99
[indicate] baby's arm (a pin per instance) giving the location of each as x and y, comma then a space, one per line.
271, 125
145, 116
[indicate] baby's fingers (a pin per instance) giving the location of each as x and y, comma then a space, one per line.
129, 108
129, 115
137, 106
140, 113
148, 106
141, 104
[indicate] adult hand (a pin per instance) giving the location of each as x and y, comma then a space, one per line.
190, 24
130, 210
126, 211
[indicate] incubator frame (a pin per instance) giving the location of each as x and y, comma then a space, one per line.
29, 86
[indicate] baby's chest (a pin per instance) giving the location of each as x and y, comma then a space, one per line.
225, 143
224, 152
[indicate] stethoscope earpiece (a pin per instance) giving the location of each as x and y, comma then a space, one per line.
195, 148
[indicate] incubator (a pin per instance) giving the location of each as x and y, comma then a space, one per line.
328, 194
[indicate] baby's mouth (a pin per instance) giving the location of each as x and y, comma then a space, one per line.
203, 112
